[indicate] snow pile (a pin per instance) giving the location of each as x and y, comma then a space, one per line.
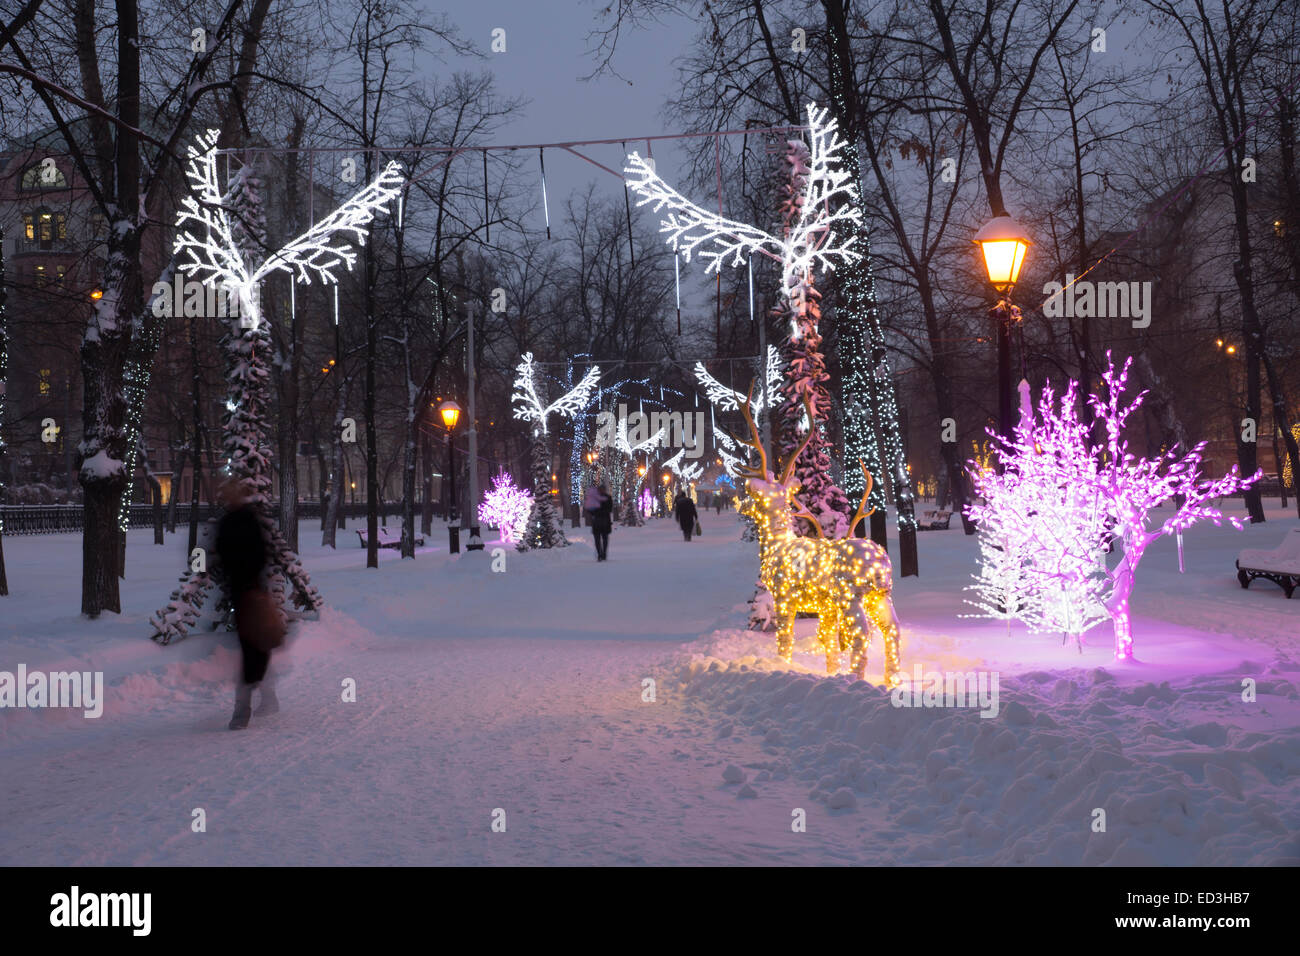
1186, 771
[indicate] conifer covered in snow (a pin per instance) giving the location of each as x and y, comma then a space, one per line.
544, 528
806, 375
631, 512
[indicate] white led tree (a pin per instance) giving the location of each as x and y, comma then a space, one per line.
820, 214
543, 529
686, 473
220, 242
726, 399
828, 197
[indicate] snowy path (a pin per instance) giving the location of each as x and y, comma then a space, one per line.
522, 691
461, 709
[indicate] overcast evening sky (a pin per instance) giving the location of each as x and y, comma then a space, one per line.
546, 54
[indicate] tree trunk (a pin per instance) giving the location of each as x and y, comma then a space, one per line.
372, 447
1252, 333
339, 488
426, 511
100, 544
1282, 425
171, 495
408, 489
197, 458
4, 376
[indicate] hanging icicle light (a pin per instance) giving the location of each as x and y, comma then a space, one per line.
546, 211
336, 303
750, 264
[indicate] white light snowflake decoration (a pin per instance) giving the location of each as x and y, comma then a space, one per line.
207, 240
528, 404
690, 228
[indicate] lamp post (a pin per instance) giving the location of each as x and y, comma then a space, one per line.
475, 542
1003, 244
450, 413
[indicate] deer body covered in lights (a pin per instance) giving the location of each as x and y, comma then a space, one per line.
846, 582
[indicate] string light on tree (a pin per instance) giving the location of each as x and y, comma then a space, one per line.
1043, 535
4, 375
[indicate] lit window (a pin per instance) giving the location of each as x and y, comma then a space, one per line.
45, 227
42, 277
43, 384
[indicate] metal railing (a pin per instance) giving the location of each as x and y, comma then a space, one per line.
65, 519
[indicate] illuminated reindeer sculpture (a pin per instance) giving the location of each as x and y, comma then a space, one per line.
846, 582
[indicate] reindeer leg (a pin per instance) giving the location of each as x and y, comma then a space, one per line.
829, 640
785, 615
859, 622
881, 610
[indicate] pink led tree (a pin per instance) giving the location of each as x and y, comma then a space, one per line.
506, 507
1079, 488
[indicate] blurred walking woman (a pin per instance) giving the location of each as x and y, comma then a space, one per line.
241, 547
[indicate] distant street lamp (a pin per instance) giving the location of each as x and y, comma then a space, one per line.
1003, 244
450, 414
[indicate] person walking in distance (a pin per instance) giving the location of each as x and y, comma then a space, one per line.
686, 514
241, 548
602, 521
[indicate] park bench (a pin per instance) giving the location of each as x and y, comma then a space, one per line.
1281, 565
387, 538
934, 521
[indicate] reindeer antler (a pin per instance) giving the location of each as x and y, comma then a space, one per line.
860, 514
788, 470
756, 444
801, 511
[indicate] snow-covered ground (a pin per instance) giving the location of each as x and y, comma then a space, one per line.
523, 690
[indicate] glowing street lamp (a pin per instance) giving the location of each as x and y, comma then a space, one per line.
1003, 245
449, 412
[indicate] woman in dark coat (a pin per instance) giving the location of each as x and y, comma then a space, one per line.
241, 548
684, 508
602, 522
